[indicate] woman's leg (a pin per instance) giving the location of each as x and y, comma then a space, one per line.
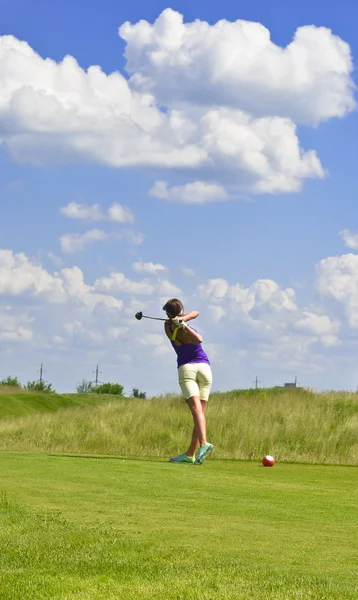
195, 438
195, 383
203, 379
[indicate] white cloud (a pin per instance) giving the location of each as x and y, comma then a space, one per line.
82, 293
269, 292
20, 335
118, 282
73, 210
71, 243
257, 329
261, 292
168, 289
148, 267
80, 331
14, 328
262, 302
20, 276
78, 324
216, 288
116, 212
242, 298
236, 64
117, 332
317, 324
330, 340
152, 339
128, 235
188, 272
350, 239
217, 312
120, 214
147, 304
287, 349
198, 192
260, 155
157, 342
337, 277
56, 260
58, 112
276, 334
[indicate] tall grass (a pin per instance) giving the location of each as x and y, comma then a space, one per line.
294, 426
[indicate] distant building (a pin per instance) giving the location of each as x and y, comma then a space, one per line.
295, 385
292, 384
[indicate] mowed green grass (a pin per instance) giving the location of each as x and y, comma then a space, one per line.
19, 404
76, 528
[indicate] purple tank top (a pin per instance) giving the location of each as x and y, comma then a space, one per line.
190, 353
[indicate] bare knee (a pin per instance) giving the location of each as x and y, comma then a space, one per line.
195, 406
193, 402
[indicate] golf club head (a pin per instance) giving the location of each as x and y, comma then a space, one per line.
139, 315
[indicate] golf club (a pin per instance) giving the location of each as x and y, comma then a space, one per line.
139, 316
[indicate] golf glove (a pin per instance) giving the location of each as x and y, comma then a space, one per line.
180, 323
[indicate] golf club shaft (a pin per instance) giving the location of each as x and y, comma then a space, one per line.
153, 318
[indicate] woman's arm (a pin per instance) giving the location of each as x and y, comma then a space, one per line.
187, 334
193, 336
193, 314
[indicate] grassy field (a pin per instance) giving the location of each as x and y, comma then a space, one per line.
15, 403
87, 528
86, 515
294, 426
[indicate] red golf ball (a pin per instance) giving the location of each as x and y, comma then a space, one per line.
268, 461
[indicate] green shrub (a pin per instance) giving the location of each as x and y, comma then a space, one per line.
85, 387
11, 382
109, 388
136, 393
39, 386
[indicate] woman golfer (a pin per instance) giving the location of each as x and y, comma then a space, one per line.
195, 377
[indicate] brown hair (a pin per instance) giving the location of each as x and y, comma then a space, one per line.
173, 307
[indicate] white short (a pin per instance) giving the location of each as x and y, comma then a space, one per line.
195, 379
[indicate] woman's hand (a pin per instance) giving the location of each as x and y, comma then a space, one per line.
179, 323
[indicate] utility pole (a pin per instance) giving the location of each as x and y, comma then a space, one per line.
97, 373
257, 383
41, 373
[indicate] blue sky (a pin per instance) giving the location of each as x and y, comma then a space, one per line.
218, 164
